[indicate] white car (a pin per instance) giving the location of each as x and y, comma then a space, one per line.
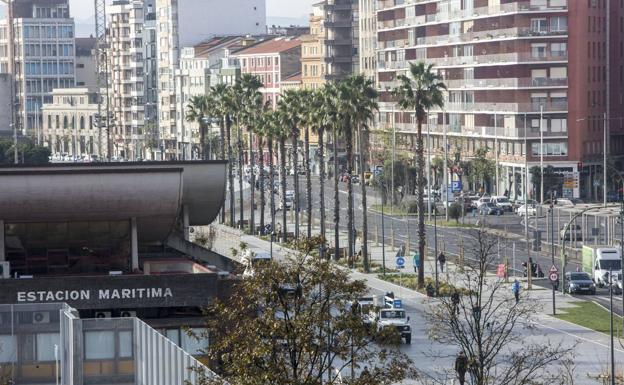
523, 210
482, 201
502, 203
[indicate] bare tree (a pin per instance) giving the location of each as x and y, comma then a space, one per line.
487, 324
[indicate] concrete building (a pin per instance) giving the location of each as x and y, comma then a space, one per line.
367, 47
515, 70
111, 240
186, 24
70, 123
341, 38
313, 65
5, 105
272, 61
85, 62
44, 56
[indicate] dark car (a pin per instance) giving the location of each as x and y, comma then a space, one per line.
490, 208
579, 282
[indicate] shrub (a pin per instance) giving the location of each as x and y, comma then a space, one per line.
455, 211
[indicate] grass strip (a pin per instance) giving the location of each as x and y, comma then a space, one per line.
589, 315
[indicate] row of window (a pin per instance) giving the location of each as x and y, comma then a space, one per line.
47, 32
260, 62
48, 68
49, 50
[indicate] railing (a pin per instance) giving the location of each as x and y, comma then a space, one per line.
474, 131
506, 83
523, 6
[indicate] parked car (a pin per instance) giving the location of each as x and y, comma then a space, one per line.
481, 201
521, 202
502, 203
574, 232
579, 282
531, 210
490, 208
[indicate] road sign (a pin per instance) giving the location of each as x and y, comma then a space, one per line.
553, 269
397, 304
554, 277
456, 186
400, 262
416, 260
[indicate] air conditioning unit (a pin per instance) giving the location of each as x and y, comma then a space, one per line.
127, 313
102, 314
5, 270
41, 317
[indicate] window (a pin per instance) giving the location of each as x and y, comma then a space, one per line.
559, 73
550, 149
45, 346
99, 345
538, 50
8, 352
539, 25
558, 23
193, 345
125, 344
558, 125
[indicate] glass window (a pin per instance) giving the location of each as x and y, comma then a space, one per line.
173, 335
192, 344
45, 346
559, 23
539, 25
8, 345
125, 344
99, 345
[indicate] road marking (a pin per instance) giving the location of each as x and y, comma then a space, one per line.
576, 336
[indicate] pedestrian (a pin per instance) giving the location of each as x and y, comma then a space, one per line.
461, 366
442, 261
515, 288
455, 302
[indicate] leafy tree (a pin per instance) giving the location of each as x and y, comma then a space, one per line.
455, 211
421, 91
484, 169
487, 325
295, 323
552, 180
28, 152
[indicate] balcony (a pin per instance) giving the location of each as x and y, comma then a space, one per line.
474, 131
338, 23
516, 57
507, 107
521, 6
512, 83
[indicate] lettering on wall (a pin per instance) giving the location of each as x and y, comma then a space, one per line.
89, 294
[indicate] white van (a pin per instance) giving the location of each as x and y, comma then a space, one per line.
502, 202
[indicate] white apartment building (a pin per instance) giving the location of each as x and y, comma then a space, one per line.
186, 24
69, 123
44, 57
5, 105
367, 20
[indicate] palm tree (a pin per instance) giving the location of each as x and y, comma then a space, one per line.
271, 126
224, 103
308, 112
330, 105
290, 107
419, 92
358, 103
282, 132
262, 130
199, 109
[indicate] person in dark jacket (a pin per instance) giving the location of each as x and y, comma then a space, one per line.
455, 301
461, 366
442, 261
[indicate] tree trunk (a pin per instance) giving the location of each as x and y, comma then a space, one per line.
336, 200
272, 181
283, 186
322, 184
350, 227
228, 135
365, 260
420, 159
240, 174
202, 139
252, 189
308, 181
295, 151
262, 184
222, 135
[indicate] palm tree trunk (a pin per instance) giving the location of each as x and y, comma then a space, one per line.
364, 207
420, 182
252, 161
262, 180
228, 135
272, 180
308, 181
283, 185
322, 184
240, 173
349, 144
222, 135
295, 151
336, 200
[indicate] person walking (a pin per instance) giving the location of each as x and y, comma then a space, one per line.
515, 288
455, 301
442, 261
461, 366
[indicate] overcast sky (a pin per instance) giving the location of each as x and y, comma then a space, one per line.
82, 9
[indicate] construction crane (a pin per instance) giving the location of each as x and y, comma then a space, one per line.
101, 65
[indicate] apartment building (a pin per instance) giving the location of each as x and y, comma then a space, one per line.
85, 62
43, 58
5, 105
272, 61
70, 123
185, 24
517, 71
367, 27
313, 66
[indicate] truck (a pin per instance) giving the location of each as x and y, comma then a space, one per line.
599, 260
390, 315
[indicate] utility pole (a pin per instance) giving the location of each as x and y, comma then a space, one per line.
496, 152
526, 201
552, 242
445, 170
428, 166
605, 151
541, 128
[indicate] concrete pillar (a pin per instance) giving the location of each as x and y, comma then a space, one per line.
2, 251
134, 244
185, 223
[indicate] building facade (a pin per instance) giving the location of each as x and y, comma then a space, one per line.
85, 63
516, 71
43, 59
272, 61
5, 105
186, 24
70, 124
367, 47
313, 65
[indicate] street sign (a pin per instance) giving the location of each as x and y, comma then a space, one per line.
554, 277
400, 262
456, 186
397, 304
416, 260
553, 269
